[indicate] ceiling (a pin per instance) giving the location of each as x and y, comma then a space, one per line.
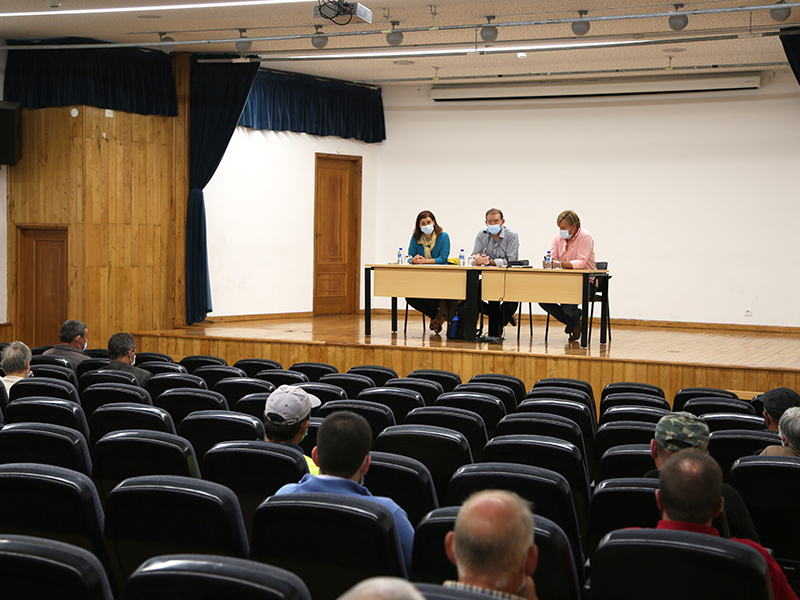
442, 38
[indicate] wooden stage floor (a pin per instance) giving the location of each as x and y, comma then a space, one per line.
671, 357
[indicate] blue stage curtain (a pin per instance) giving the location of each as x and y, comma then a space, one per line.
218, 94
791, 46
291, 102
127, 79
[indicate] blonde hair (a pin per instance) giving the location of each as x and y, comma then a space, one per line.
570, 216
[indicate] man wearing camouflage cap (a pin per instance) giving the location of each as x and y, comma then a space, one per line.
681, 430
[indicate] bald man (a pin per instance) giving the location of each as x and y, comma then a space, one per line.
492, 546
382, 588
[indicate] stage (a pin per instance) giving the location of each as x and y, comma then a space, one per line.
671, 357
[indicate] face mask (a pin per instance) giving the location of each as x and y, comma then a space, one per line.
133, 360
494, 229
427, 229
564, 233
85, 345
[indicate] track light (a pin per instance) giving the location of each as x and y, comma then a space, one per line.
581, 27
319, 40
167, 43
243, 45
489, 32
394, 38
678, 22
780, 14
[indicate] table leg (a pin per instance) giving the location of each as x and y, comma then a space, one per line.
604, 312
367, 301
394, 314
470, 320
585, 311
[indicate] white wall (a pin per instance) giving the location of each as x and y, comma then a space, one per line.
689, 196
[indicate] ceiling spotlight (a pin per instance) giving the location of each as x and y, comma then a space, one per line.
780, 14
678, 22
319, 40
394, 38
489, 32
581, 27
53, 4
167, 43
243, 45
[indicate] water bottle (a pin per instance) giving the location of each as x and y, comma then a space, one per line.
452, 328
462, 259
548, 261
400, 257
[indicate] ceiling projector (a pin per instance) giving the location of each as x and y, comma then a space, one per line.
332, 9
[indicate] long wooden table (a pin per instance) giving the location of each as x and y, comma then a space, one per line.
558, 286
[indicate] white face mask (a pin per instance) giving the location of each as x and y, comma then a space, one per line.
85, 345
427, 229
564, 233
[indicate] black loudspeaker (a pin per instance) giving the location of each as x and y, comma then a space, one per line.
10, 133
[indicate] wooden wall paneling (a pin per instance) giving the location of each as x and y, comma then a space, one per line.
176, 236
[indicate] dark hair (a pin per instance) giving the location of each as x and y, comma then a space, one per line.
495, 210
690, 484
70, 330
279, 433
14, 358
343, 442
418, 232
119, 345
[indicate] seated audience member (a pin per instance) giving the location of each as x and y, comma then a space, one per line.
492, 546
382, 588
680, 430
16, 364
571, 248
122, 354
495, 246
689, 498
74, 338
776, 402
342, 455
789, 428
429, 245
287, 414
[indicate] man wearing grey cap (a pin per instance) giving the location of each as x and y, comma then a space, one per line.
775, 403
681, 430
287, 414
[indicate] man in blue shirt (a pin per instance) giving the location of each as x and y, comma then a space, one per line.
342, 454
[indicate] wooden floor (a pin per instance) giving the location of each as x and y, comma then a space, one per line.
670, 357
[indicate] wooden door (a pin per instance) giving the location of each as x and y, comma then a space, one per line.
42, 280
337, 234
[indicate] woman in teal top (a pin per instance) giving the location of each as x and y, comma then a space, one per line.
429, 245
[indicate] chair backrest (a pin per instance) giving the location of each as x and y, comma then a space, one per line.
567, 382
504, 393
630, 564
352, 383
729, 444
632, 399
55, 372
331, 541
236, 388
195, 361
625, 460
308, 442
447, 379
617, 433
34, 567
120, 416
251, 366
405, 480
702, 405
313, 370
252, 404
158, 366
380, 375
47, 444
563, 393
44, 386
399, 400
48, 410
490, 408
122, 454
726, 420
466, 422
91, 364
42, 359
279, 377
515, 383
429, 562
161, 382
192, 576
631, 387
212, 374
105, 376
529, 423
166, 514
698, 392
142, 357
98, 394
97, 352
442, 450
430, 390
324, 391
379, 416
646, 414
205, 428
181, 402
576, 411
620, 503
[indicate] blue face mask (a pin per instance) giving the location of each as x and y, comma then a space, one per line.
564, 233
494, 229
427, 229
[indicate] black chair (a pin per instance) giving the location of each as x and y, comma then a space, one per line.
466, 422
105, 376
325, 392
575, 411
97, 352
504, 393
351, 383
728, 445
252, 404
400, 401
698, 392
631, 387
251, 366
490, 408
313, 370
632, 399
157, 367
702, 405
441, 450
629, 564
193, 576
122, 454
377, 415
279, 377
646, 414
308, 442
554, 392
162, 382
52, 503
205, 428
234, 389
429, 562
212, 374
331, 541
405, 480
254, 470
515, 383
44, 386
430, 390
725, 420
42, 359
120, 416
566, 382
34, 567
55, 372
48, 410
380, 375
181, 402
44, 443
601, 296
617, 433
196, 361
447, 379
625, 460
529, 423
38, 350
90, 364
99, 394
165, 514
142, 357
3, 396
